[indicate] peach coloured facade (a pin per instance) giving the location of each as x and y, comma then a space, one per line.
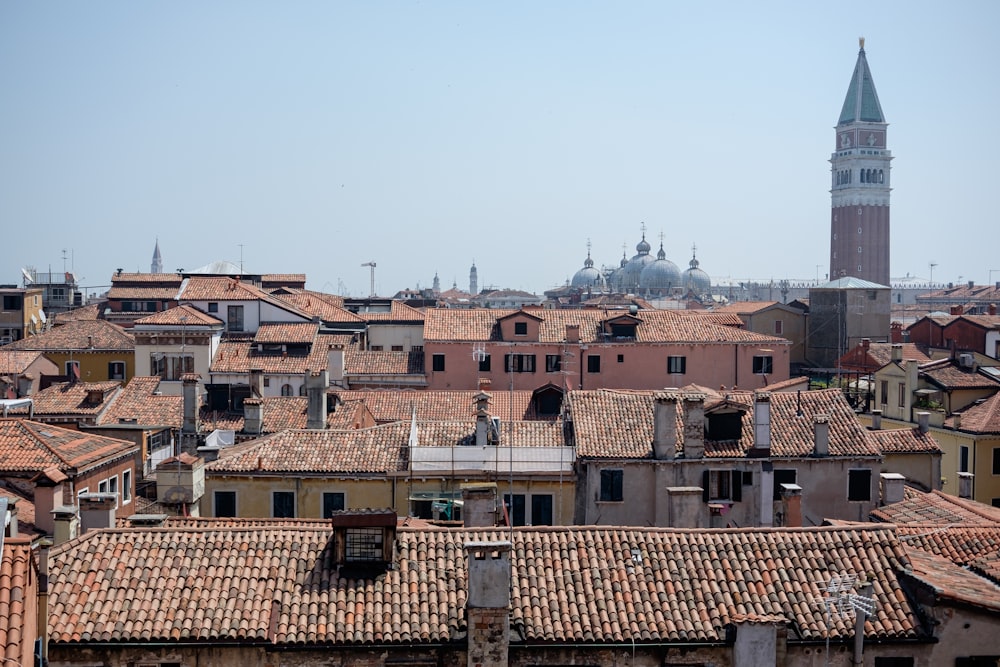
627, 365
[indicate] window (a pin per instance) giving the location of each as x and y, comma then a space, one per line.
234, 321
116, 370
621, 358
73, 369
437, 362
541, 510
722, 485
553, 363
779, 327
102, 486
611, 486
286, 390
763, 365
363, 544
484, 363
283, 504
902, 394
786, 476
859, 484
520, 328
375, 348
126, 487
332, 502
397, 348
519, 363
593, 363
302, 390
515, 514
996, 460
884, 389
963, 458
170, 366
677, 365
12, 302
416, 348
213, 307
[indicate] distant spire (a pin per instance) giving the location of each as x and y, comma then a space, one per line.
473, 279
437, 283
156, 266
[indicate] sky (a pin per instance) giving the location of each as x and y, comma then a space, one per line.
314, 137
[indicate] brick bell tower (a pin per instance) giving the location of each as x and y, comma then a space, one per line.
859, 219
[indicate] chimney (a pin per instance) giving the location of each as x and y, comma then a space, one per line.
25, 385
484, 384
487, 608
253, 416
482, 419
572, 333
147, 520
791, 505
192, 403
11, 529
317, 382
90, 342
972, 284
876, 420
685, 507
257, 382
866, 343
892, 487
965, 480
180, 480
896, 352
664, 425
912, 377
821, 430
759, 641
694, 424
479, 505
65, 524
761, 425
335, 364
97, 510
956, 310
895, 332
992, 308
923, 421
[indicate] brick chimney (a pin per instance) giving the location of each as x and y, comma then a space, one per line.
791, 505
991, 309
761, 425
664, 425
479, 504
192, 403
253, 416
572, 333
487, 608
956, 310
694, 424
895, 332
965, 480
893, 485
821, 435
317, 382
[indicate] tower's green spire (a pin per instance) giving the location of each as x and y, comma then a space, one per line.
861, 103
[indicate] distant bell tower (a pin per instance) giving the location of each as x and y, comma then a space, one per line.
473, 279
156, 266
859, 219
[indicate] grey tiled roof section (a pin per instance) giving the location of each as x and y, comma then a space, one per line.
861, 103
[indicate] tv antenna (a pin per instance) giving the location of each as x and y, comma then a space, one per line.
371, 265
479, 352
840, 600
932, 264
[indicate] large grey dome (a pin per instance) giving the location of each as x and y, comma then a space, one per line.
588, 276
660, 276
628, 282
695, 280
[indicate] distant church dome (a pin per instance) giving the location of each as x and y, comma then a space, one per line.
588, 276
628, 281
659, 276
695, 280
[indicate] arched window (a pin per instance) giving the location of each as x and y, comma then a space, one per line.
863, 179
881, 176
286, 390
302, 390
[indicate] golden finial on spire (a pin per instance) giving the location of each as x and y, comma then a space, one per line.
861, 42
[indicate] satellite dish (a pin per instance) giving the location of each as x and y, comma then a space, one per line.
27, 276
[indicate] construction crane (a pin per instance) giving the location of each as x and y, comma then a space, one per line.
372, 265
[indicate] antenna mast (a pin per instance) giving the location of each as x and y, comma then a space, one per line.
372, 266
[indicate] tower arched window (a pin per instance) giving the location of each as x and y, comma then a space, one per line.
881, 176
863, 179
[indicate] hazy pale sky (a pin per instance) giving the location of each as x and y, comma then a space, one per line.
425, 135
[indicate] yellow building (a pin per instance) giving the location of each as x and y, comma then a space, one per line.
89, 350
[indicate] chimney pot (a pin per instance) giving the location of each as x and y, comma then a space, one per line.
924, 421
965, 480
821, 429
876, 420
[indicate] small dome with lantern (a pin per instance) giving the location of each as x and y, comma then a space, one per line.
695, 280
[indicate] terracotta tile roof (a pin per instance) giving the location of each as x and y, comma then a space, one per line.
368, 362
951, 582
988, 566
480, 324
144, 292
137, 401
984, 321
962, 545
947, 374
89, 312
146, 278
327, 307
286, 332
239, 356
619, 424
79, 335
399, 312
352, 413
569, 585
15, 362
27, 446
905, 441
372, 450
880, 354
172, 316
432, 405
280, 413
18, 629
230, 289
938, 508
281, 278
979, 417
745, 306
82, 399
